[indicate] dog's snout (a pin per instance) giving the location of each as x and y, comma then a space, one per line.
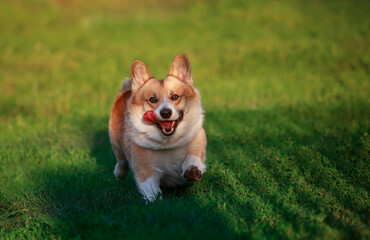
166, 113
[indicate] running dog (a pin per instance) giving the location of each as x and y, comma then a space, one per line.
156, 129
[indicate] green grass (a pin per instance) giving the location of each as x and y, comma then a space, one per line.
285, 87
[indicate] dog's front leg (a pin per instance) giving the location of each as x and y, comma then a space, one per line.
194, 165
147, 178
149, 188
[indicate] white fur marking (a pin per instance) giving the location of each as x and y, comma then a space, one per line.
167, 104
121, 164
193, 160
116, 171
150, 188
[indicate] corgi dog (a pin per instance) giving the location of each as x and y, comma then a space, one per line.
156, 129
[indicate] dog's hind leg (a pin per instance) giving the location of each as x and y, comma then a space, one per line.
116, 133
121, 169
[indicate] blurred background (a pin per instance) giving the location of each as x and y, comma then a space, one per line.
284, 84
244, 53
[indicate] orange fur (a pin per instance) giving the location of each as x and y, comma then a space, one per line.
152, 156
198, 146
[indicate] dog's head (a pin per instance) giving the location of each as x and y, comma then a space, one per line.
168, 109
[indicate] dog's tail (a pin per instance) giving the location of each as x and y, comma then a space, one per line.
126, 86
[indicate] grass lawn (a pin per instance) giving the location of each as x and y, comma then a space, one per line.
285, 87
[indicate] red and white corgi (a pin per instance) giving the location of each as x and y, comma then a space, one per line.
156, 129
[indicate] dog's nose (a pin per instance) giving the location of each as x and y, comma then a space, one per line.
166, 113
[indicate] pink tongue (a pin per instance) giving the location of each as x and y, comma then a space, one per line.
151, 118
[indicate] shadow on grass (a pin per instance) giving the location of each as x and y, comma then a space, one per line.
87, 202
281, 173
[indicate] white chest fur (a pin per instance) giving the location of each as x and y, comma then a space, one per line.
168, 164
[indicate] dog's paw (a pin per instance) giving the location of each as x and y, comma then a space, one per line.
120, 171
192, 174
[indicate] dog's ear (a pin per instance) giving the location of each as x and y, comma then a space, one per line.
139, 74
181, 69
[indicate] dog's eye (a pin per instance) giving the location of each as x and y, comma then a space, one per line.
174, 97
152, 100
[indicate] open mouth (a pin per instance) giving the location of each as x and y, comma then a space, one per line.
168, 128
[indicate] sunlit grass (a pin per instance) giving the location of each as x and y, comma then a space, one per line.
286, 93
